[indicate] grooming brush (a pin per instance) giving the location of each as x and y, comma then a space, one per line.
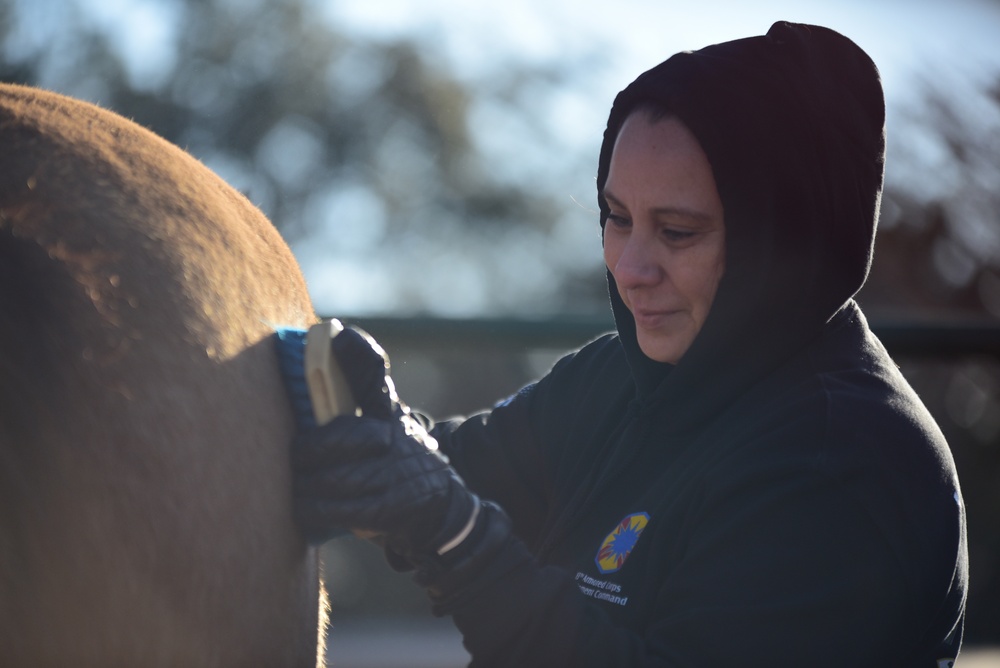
315, 384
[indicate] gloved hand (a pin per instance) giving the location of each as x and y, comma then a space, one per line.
380, 471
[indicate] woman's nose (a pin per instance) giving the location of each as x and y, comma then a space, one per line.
636, 266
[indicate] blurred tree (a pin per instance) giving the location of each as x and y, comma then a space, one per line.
938, 248
360, 151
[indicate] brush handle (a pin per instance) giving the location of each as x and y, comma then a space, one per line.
329, 392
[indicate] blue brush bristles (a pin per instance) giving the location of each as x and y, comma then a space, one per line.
290, 343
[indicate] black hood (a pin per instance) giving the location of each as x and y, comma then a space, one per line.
792, 123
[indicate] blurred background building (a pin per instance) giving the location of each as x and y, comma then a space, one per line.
432, 166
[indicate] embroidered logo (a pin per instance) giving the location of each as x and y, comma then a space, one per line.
619, 543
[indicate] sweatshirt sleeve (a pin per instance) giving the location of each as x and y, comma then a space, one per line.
496, 455
515, 454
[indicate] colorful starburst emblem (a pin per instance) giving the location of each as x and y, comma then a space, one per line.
619, 543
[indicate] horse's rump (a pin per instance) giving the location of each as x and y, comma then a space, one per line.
144, 484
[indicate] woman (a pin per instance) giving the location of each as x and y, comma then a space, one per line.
740, 476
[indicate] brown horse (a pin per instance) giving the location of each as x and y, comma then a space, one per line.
144, 429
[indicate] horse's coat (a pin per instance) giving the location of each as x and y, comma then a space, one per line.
144, 479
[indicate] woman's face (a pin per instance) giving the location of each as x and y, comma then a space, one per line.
664, 240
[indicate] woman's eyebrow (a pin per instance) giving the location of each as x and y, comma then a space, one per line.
611, 199
677, 211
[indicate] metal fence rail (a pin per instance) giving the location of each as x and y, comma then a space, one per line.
911, 338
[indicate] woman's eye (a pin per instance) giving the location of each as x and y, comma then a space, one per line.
618, 220
676, 235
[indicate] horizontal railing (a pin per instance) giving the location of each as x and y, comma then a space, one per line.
908, 339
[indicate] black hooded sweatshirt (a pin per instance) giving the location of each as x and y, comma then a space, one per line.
780, 496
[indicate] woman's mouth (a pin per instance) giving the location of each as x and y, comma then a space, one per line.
653, 318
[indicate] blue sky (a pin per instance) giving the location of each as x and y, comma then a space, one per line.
627, 36
899, 34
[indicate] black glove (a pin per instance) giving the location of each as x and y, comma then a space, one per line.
381, 471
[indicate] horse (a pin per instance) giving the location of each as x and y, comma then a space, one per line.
145, 503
